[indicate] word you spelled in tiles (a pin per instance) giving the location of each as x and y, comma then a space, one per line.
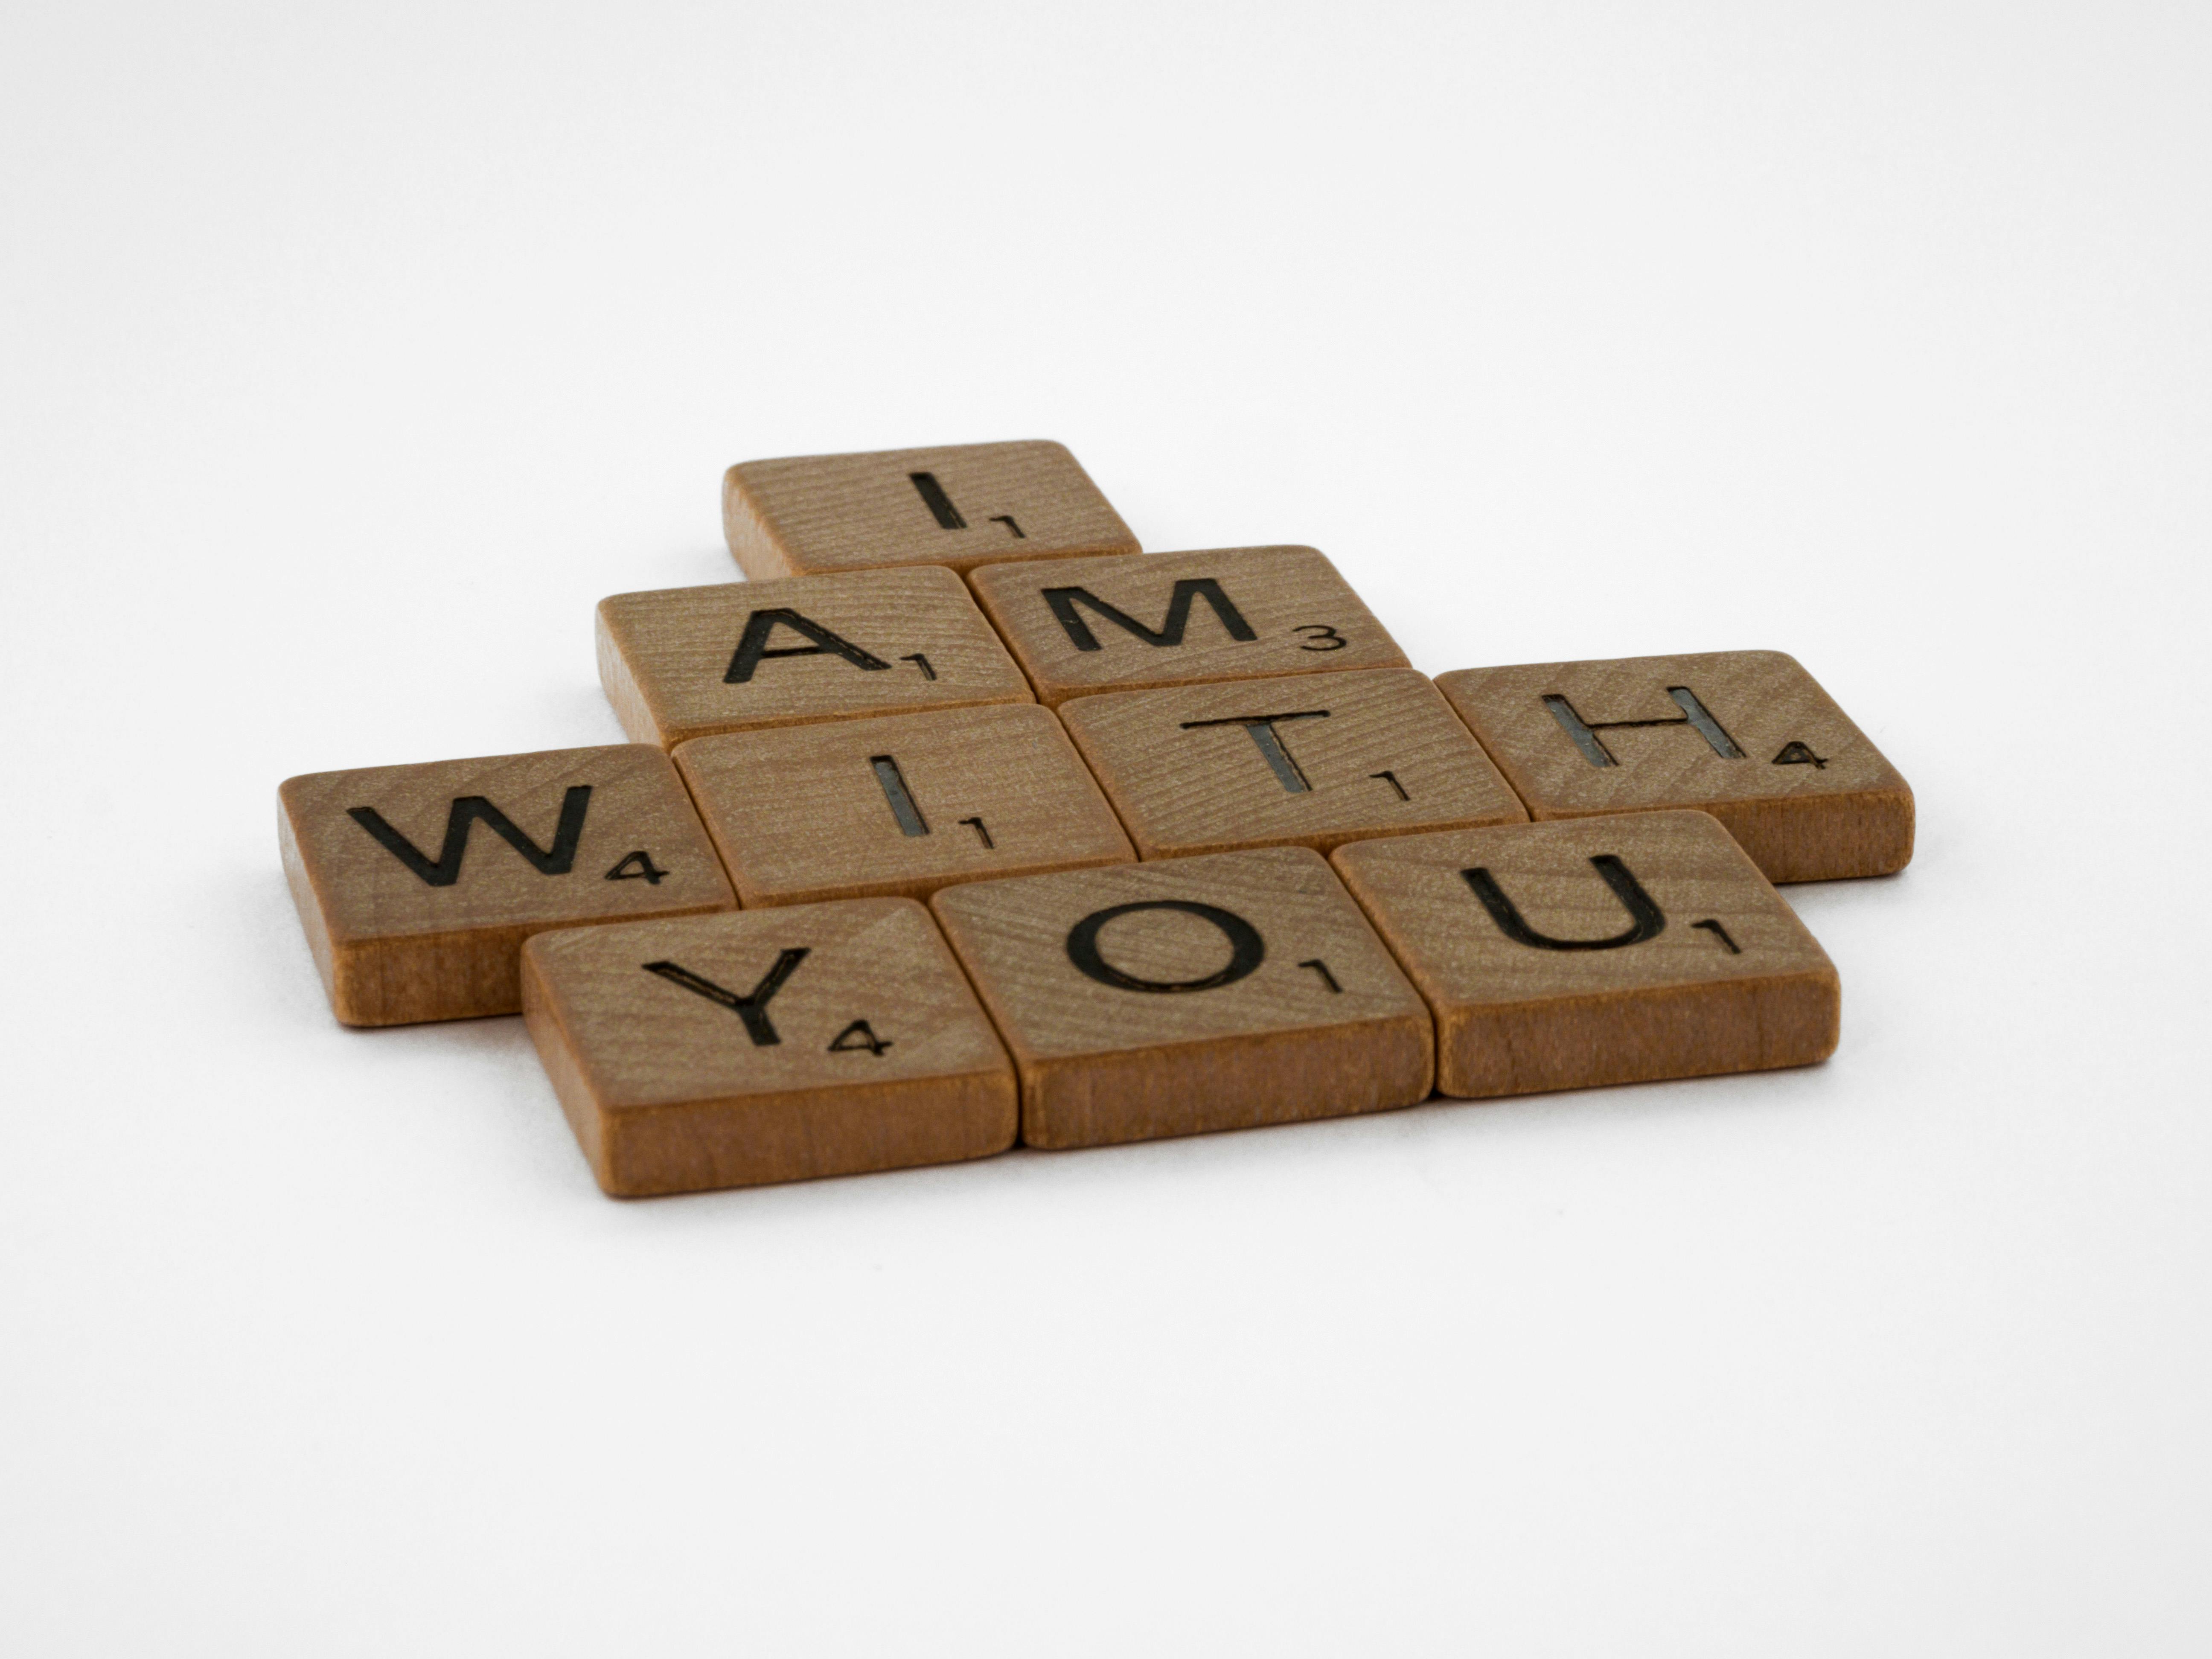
963, 823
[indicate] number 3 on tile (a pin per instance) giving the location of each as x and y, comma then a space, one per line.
1320, 637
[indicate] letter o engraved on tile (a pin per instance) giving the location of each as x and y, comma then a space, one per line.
1246, 949
1646, 919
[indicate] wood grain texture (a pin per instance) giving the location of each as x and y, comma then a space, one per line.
397, 945
1187, 775
807, 813
688, 662
1719, 975
1806, 794
808, 513
1308, 1017
865, 1048
1233, 613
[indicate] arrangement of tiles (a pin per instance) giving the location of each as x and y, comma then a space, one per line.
1200, 850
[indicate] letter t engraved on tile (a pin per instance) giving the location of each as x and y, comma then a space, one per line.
1260, 728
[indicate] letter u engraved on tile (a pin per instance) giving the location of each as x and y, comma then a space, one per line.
1246, 949
1646, 921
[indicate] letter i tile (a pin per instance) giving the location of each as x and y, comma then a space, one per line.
1188, 995
1597, 950
766, 1046
418, 884
900, 805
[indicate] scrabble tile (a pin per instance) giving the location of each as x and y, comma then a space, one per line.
688, 662
766, 1045
901, 804
1079, 626
1596, 951
962, 505
418, 884
1747, 736
1191, 995
1310, 759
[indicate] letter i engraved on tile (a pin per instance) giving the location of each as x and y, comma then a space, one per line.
1549, 957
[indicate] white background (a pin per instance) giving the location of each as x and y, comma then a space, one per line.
351, 354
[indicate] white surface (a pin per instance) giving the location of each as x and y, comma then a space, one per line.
349, 358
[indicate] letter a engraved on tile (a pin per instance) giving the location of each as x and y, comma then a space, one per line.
462, 816
752, 1007
753, 645
1260, 728
1646, 919
1583, 733
1246, 949
1063, 601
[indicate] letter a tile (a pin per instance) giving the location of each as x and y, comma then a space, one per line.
418, 884
1080, 626
688, 662
770, 1045
1310, 759
962, 506
1189, 995
1748, 736
900, 805
1597, 950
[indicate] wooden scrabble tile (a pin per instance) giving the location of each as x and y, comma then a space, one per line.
901, 804
766, 1045
962, 506
1079, 626
418, 884
1748, 736
1310, 759
1191, 995
688, 662
1597, 950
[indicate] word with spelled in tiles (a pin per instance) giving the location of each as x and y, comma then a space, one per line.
964, 821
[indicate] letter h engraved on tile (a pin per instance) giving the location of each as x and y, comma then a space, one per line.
1584, 732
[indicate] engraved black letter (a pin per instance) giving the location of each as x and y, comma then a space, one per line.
464, 812
1647, 920
1246, 948
752, 1008
753, 645
1260, 728
1583, 733
1063, 601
